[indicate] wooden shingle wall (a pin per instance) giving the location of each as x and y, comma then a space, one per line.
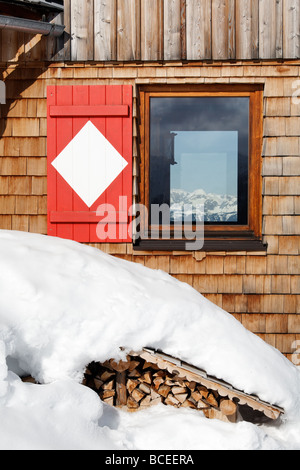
154, 30
260, 289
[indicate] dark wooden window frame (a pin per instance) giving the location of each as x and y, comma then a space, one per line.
216, 237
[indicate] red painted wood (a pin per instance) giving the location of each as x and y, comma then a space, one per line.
64, 134
114, 133
80, 97
85, 217
109, 108
98, 98
51, 152
88, 111
127, 153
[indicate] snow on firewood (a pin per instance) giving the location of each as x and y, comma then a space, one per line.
64, 305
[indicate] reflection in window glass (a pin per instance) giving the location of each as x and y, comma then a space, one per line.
205, 171
199, 154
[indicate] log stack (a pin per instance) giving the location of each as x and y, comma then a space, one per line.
135, 384
151, 377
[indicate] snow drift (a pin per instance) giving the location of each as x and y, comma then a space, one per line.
63, 305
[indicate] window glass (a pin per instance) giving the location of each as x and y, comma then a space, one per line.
199, 154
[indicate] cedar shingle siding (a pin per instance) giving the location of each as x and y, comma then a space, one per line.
261, 39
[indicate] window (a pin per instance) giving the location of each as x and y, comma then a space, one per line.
201, 147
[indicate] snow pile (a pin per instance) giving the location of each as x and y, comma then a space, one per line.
63, 305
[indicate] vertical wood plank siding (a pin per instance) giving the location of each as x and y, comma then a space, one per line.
82, 28
151, 30
172, 28
128, 30
152, 39
291, 28
270, 29
198, 29
247, 22
105, 20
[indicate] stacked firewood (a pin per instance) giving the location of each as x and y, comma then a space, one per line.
135, 384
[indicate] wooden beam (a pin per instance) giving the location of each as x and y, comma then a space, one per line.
89, 111
224, 389
87, 217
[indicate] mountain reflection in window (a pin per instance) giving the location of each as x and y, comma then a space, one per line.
199, 155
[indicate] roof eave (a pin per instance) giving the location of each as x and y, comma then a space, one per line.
37, 4
31, 26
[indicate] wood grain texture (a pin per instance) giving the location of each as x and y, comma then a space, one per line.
105, 26
152, 39
198, 29
172, 30
82, 30
291, 28
247, 29
223, 29
152, 30
270, 29
128, 30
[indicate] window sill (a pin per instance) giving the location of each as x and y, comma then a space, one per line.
219, 244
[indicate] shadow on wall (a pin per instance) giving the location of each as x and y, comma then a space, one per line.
23, 68
16, 83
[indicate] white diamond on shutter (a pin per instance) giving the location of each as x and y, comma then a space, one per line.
89, 164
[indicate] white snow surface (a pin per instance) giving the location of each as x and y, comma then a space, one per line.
64, 304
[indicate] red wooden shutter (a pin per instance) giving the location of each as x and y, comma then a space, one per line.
90, 162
